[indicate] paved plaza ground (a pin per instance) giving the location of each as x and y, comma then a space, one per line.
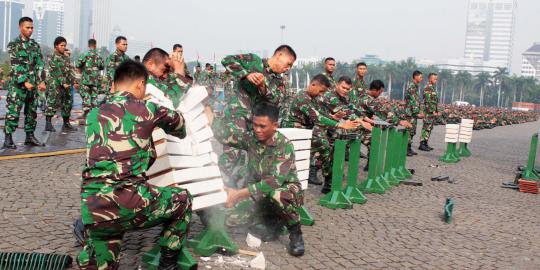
493, 228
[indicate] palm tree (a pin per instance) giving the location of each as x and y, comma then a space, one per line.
483, 79
500, 76
529, 84
391, 70
463, 78
444, 77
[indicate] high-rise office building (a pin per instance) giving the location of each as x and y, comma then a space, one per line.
490, 31
48, 21
85, 23
11, 11
101, 21
530, 66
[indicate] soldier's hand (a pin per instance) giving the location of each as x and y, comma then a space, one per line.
209, 114
366, 125
256, 78
348, 125
28, 86
405, 123
76, 86
66, 86
369, 120
338, 116
177, 63
42, 86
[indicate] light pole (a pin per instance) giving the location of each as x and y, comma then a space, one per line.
282, 27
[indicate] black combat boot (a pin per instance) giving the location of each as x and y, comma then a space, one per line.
296, 246
430, 148
48, 124
313, 179
327, 186
67, 127
168, 259
423, 146
366, 168
8, 142
410, 152
31, 140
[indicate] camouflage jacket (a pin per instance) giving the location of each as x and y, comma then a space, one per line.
119, 139
412, 100
26, 62
331, 103
174, 86
380, 108
430, 99
330, 77
208, 79
269, 166
112, 62
304, 113
360, 86
241, 65
91, 65
59, 71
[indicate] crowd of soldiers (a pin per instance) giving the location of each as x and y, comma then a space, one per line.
257, 160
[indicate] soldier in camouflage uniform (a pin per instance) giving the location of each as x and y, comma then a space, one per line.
305, 114
254, 80
360, 85
27, 76
198, 73
413, 107
272, 178
90, 65
339, 105
431, 111
60, 78
114, 60
179, 50
115, 194
329, 68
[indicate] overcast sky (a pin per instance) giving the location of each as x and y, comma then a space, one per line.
347, 30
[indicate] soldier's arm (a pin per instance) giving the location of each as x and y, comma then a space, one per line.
283, 170
18, 64
317, 117
40, 66
80, 63
229, 134
241, 65
100, 63
170, 121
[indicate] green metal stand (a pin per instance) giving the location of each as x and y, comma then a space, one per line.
402, 169
530, 172
383, 153
391, 153
351, 189
335, 198
463, 150
448, 209
305, 217
372, 184
185, 260
450, 156
214, 237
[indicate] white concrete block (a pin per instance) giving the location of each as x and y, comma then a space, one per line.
296, 133
452, 131
182, 148
465, 140
467, 121
194, 113
201, 187
197, 124
466, 133
452, 136
302, 154
201, 148
301, 145
304, 184
302, 165
303, 175
452, 126
451, 140
208, 200
161, 148
203, 135
155, 95
185, 175
195, 95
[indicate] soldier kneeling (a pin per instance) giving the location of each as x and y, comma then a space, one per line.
115, 194
271, 174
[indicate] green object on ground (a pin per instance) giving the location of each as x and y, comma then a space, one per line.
448, 208
335, 198
451, 155
530, 173
463, 150
372, 183
185, 260
214, 237
351, 189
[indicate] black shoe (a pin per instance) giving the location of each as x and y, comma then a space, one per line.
78, 231
296, 246
48, 124
168, 259
410, 152
366, 168
67, 127
313, 179
8, 142
327, 186
423, 146
31, 140
430, 148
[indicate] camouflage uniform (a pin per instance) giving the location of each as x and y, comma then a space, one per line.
271, 171
384, 110
237, 111
60, 72
412, 101
111, 63
330, 77
26, 66
91, 65
430, 109
115, 195
359, 88
174, 86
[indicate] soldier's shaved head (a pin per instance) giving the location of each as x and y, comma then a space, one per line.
131, 76
287, 49
156, 60
282, 60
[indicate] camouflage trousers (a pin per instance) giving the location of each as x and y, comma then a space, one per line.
109, 211
321, 151
427, 126
15, 100
89, 95
412, 130
58, 98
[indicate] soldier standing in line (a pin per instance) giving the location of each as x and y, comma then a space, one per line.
27, 76
90, 65
114, 60
60, 78
329, 68
360, 85
431, 111
413, 107
178, 49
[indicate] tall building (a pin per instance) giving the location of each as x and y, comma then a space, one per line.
48, 21
490, 31
530, 66
85, 23
9, 23
101, 21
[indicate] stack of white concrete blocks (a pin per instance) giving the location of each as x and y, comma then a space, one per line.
191, 163
452, 133
301, 140
465, 130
